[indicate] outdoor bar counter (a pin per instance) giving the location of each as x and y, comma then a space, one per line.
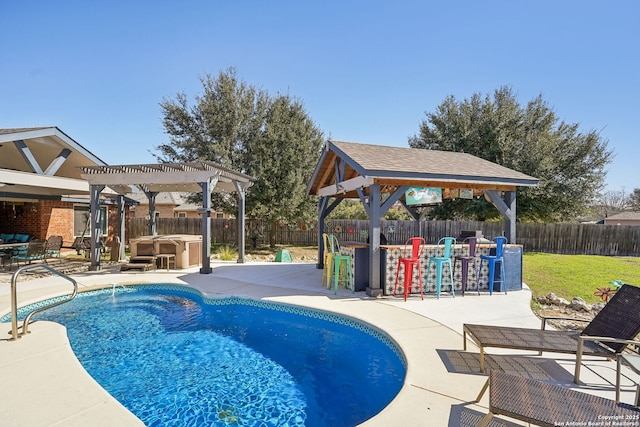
359, 253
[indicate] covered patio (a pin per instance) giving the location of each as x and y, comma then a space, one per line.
379, 176
205, 177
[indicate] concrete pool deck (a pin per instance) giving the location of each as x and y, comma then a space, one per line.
45, 385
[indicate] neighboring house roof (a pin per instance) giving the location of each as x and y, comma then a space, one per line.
625, 216
361, 165
173, 198
165, 198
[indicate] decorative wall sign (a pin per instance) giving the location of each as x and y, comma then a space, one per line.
423, 195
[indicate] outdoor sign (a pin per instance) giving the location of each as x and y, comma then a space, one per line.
423, 195
466, 193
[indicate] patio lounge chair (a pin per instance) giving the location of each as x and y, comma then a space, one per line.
545, 404
143, 263
619, 320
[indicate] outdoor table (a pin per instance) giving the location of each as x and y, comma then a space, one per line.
4, 250
165, 259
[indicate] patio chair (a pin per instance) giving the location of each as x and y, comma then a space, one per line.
35, 250
545, 404
619, 321
54, 244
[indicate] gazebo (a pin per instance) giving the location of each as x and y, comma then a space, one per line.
203, 176
379, 176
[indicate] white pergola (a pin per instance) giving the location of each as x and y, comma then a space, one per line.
152, 179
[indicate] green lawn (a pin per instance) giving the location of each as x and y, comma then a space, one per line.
570, 276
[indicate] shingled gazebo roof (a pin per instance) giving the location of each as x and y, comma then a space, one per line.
391, 167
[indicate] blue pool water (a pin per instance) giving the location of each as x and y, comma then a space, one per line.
176, 359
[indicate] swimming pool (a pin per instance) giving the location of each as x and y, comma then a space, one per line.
175, 358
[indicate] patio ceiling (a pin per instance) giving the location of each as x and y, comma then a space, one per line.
344, 167
40, 163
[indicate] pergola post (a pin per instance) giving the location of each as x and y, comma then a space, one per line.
121, 226
96, 230
151, 195
206, 186
241, 189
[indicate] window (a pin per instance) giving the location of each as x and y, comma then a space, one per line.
81, 216
182, 214
219, 215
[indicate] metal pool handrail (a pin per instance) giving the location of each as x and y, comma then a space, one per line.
14, 299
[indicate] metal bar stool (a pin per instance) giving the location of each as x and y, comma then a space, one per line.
342, 268
466, 260
492, 260
416, 244
445, 246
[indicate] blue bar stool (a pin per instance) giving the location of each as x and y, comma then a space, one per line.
492, 260
445, 246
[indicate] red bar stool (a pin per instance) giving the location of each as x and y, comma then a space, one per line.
467, 260
416, 244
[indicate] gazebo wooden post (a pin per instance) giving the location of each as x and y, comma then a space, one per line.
322, 215
374, 289
510, 225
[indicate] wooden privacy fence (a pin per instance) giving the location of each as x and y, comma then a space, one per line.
587, 239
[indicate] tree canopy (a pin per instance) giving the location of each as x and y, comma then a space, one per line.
241, 127
569, 164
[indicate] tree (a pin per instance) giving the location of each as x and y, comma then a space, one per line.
569, 164
283, 156
634, 199
269, 137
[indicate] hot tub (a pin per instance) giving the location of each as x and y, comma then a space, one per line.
187, 248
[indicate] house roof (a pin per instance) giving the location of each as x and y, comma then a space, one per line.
42, 162
174, 198
364, 164
627, 215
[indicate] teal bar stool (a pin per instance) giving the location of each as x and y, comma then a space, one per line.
491, 261
342, 268
445, 245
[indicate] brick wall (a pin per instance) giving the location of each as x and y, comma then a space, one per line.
47, 218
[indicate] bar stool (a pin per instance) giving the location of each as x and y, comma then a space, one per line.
342, 268
467, 260
445, 245
416, 244
328, 259
492, 260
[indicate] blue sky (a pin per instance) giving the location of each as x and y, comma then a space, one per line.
366, 71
